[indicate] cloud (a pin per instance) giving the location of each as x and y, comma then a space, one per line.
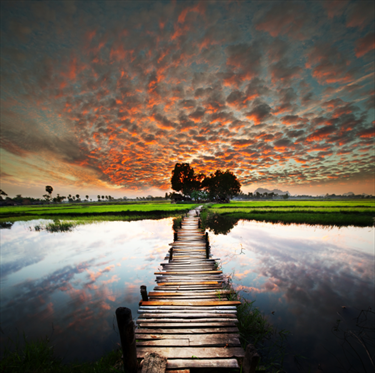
360, 14
365, 44
259, 114
329, 65
285, 18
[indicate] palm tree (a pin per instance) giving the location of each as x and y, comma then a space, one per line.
98, 197
87, 197
102, 197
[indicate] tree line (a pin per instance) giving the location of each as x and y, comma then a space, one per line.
218, 186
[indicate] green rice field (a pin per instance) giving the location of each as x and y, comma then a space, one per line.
335, 213
97, 211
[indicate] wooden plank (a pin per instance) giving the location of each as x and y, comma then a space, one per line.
212, 308
189, 273
187, 325
181, 342
190, 337
157, 293
191, 303
189, 283
187, 311
189, 315
188, 352
200, 363
189, 330
186, 320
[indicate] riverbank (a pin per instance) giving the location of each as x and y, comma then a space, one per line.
359, 213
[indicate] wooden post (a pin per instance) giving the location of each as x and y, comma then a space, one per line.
206, 236
170, 254
126, 329
181, 221
250, 360
144, 293
207, 250
175, 236
199, 222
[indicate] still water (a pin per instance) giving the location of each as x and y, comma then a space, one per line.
67, 285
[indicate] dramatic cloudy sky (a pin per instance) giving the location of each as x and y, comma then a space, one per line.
105, 97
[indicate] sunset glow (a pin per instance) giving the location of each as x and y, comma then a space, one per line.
105, 97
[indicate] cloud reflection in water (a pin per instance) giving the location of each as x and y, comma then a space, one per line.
303, 273
73, 282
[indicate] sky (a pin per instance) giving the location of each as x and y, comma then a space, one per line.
106, 97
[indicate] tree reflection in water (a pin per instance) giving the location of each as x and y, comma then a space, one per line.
220, 224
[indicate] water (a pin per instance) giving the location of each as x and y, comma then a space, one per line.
68, 285
305, 275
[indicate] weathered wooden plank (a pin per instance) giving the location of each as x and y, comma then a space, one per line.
212, 308
190, 283
165, 342
188, 352
189, 315
187, 311
186, 325
228, 340
189, 273
186, 320
191, 303
159, 293
189, 330
190, 337
202, 363
191, 342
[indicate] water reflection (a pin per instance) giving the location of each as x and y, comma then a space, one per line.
304, 275
69, 284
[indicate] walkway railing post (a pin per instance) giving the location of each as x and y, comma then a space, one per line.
175, 236
207, 247
144, 293
126, 329
170, 254
199, 222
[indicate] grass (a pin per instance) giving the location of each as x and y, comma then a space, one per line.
255, 329
333, 213
94, 212
37, 356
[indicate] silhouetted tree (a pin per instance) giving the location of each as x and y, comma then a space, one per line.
222, 185
49, 189
98, 197
87, 197
184, 179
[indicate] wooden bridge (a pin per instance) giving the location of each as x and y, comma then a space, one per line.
187, 318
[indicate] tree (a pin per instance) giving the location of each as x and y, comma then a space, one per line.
98, 197
184, 179
286, 196
87, 197
222, 185
49, 189
2, 193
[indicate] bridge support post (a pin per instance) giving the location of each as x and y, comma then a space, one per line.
144, 293
126, 329
207, 247
170, 254
250, 360
175, 236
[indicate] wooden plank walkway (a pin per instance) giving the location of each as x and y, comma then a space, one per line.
187, 317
